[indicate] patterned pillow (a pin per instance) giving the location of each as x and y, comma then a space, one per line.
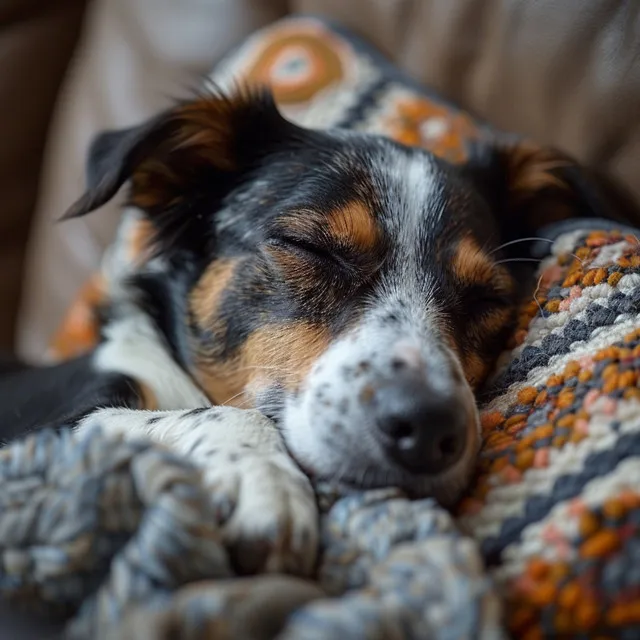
556, 503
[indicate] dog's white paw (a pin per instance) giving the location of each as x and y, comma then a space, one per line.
266, 504
271, 519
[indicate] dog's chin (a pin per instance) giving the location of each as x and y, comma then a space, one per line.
358, 474
445, 488
352, 460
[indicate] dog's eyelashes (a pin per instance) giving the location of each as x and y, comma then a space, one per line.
302, 247
333, 259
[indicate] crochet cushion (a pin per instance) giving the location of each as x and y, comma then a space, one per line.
555, 506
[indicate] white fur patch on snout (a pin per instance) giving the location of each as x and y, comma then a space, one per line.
330, 427
409, 354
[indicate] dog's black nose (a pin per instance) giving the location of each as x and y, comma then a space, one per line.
422, 430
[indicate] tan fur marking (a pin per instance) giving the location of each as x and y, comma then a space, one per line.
475, 369
493, 321
148, 400
530, 170
139, 241
207, 126
483, 328
281, 353
354, 226
205, 298
79, 331
469, 345
471, 264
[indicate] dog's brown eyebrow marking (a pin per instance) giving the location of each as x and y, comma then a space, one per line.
474, 266
354, 225
471, 264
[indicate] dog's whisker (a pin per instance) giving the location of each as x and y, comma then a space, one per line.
520, 240
244, 404
538, 260
535, 294
232, 398
264, 368
580, 260
531, 239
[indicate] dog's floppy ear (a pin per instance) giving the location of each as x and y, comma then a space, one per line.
185, 160
211, 140
529, 186
112, 157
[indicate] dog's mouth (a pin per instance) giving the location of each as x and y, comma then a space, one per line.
365, 481
446, 488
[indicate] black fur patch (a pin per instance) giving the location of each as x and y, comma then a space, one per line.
36, 397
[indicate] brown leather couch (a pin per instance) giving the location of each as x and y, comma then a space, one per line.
566, 72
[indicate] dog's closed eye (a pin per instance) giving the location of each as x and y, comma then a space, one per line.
346, 240
307, 249
315, 272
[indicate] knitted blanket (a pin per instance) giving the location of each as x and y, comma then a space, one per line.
121, 538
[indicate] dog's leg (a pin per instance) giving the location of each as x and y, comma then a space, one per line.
270, 522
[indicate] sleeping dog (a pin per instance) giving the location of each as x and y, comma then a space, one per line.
350, 292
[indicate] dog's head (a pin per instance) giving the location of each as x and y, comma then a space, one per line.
348, 286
